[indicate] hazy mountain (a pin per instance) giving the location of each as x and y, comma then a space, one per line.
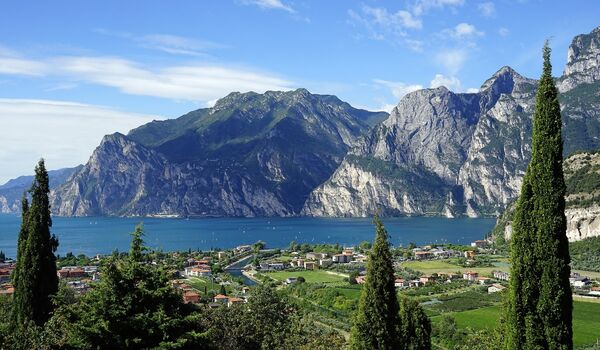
12, 191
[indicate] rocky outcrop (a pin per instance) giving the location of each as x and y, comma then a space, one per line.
250, 155
583, 61
443, 153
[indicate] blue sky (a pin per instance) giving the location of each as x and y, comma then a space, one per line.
82, 69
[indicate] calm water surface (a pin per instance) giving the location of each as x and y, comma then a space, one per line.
102, 235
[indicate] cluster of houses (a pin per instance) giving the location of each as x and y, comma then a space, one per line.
192, 296
442, 277
429, 252
314, 260
198, 268
79, 278
578, 281
6, 269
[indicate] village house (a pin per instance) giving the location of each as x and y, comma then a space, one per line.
422, 255
220, 298
310, 265
315, 256
470, 276
578, 281
400, 283
221, 255
198, 271
342, 258
71, 272
325, 262
501, 275
415, 283
191, 297
426, 279
495, 288
234, 301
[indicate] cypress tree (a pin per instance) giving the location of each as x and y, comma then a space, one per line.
35, 275
540, 301
377, 323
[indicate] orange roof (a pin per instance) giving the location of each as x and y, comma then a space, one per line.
190, 293
235, 300
221, 296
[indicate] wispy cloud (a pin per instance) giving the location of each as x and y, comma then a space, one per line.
270, 5
38, 128
172, 44
503, 31
422, 6
487, 9
381, 24
194, 82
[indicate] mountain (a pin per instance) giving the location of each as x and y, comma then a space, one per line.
451, 154
582, 178
12, 191
249, 155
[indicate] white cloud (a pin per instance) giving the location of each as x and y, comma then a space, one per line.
20, 66
503, 31
382, 24
472, 90
399, 89
422, 6
193, 82
487, 9
64, 133
270, 4
399, 19
172, 44
452, 83
452, 60
463, 31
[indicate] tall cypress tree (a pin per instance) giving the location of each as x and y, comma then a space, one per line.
540, 301
377, 323
35, 275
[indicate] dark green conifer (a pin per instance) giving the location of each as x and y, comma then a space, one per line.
35, 276
540, 300
377, 323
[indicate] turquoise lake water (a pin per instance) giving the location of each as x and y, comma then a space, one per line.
102, 235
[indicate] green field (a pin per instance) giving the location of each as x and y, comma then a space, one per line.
316, 276
586, 320
429, 267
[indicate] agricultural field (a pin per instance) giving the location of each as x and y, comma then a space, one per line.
429, 267
586, 320
310, 276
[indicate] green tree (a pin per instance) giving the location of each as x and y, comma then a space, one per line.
377, 321
132, 307
415, 327
35, 278
540, 302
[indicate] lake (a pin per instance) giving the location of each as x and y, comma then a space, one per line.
102, 235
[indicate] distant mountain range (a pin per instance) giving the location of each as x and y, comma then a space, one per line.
249, 155
12, 192
297, 153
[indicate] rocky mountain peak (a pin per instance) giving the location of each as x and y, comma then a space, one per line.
583, 61
504, 81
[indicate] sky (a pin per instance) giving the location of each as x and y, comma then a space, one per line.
74, 71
